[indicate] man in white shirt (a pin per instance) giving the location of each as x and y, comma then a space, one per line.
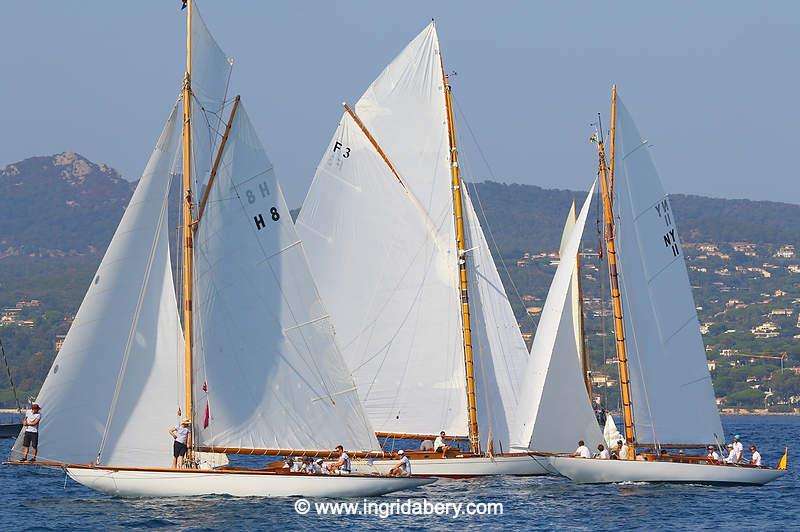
582, 451
729, 459
712, 454
403, 469
738, 450
602, 453
756, 458
31, 436
182, 434
439, 446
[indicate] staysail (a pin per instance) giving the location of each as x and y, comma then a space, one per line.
499, 352
266, 359
667, 361
110, 395
574, 291
554, 411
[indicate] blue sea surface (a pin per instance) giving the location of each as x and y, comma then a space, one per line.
44, 499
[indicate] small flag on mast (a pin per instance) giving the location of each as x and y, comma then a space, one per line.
206, 416
184, 3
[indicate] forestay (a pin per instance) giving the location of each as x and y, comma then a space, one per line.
110, 394
384, 253
554, 411
499, 352
264, 345
673, 397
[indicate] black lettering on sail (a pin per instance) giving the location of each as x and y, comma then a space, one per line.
259, 222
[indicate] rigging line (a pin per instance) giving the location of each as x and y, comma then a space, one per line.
10, 379
483, 212
135, 321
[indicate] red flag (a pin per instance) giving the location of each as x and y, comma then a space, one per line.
206, 416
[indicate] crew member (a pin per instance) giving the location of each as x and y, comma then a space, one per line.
182, 434
342, 465
582, 450
31, 437
602, 453
439, 446
403, 469
756, 458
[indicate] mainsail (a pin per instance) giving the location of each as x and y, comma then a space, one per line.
554, 411
111, 392
265, 350
667, 362
379, 227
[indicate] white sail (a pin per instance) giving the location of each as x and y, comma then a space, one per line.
264, 345
611, 434
554, 411
390, 289
574, 292
672, 393
211, 72
383, 253
499, 352
110, 395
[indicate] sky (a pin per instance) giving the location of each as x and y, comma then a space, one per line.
713, 86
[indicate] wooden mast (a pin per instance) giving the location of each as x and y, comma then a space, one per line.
612, 135
188, 220
472, 409
616, 301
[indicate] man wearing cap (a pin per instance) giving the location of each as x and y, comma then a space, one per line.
403, 469
182, 435
31, 437
713, 455
738, 450
731, 455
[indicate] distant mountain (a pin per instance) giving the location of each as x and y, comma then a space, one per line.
59, 205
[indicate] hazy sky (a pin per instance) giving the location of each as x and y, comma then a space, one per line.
712, 85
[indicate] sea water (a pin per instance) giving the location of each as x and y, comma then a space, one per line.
44, 499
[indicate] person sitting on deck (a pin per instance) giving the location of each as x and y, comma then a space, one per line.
31, 437
426, 445
439, 446
623, 450
713, 455
183, 439
403, 469
602, 453
342, 465
756, 458
582, 451
730, 456
316, 467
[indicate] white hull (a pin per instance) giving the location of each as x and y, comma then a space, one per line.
471, 466
593, 471
175, 483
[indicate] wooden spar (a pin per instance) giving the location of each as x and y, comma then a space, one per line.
616, 300
472, 409
612, 135
414, 436
212, 176
372, 140
320, 453
188, 242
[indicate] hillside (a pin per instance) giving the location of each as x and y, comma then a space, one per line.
60, 212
